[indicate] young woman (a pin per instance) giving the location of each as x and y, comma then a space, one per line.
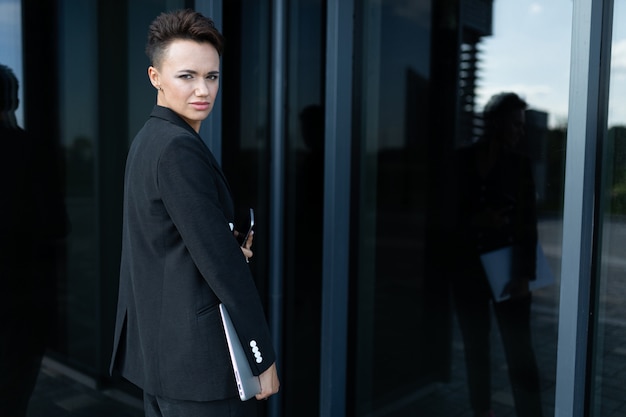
180, 259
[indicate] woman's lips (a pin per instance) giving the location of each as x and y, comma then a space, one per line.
201, 105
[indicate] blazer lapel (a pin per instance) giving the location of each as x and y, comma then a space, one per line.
167, 114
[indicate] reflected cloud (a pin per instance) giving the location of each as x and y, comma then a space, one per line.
536, 8
9, 28
618, 58
529, 53
8, 10
9, 19
9, 23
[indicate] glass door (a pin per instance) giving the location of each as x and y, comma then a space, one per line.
609, 355
433, 194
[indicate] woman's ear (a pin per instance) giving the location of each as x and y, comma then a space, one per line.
154, 76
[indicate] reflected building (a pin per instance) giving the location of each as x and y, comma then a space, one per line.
476, 22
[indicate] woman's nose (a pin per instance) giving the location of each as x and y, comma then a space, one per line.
202, 89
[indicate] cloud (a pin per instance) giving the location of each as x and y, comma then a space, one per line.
9, 10
618, 57
10, 42
535, 8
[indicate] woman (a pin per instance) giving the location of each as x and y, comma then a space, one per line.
180, 259
496, 209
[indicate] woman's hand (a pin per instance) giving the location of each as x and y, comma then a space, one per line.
247, 245
517, 287
269, 383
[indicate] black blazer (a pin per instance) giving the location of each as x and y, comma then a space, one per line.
179, 261
507, 188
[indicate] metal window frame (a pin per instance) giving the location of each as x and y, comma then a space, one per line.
211, 128
587, 111
277, 178
337, 152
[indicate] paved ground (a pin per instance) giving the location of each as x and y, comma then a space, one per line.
57, 395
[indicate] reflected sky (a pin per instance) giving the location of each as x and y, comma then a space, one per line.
529, 53
617, 104
11, 43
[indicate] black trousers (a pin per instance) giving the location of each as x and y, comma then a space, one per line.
164, 407
472, 301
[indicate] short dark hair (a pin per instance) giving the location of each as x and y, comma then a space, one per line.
180, 24
500, 105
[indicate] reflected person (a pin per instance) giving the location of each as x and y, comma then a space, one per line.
22, 341
496, 208
180, 258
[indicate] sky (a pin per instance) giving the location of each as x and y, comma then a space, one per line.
617, 103
529, 53
10, 41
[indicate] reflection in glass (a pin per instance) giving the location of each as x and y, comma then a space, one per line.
609, 354
304, 200
245, 120
29, 233
497, 210
11, 45
76, 332
417, 104
400, 343
89, 161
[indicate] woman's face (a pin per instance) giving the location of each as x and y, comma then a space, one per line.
187, 80
510, 129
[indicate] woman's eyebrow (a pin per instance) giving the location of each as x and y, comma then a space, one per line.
194, 72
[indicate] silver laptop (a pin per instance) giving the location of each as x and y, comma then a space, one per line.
247, 384
498, 266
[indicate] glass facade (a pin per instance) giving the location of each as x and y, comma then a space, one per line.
78, 132
420, 75
393, 85
418, 105
304, 199
607, 394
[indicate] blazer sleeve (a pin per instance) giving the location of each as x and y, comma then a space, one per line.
193, 191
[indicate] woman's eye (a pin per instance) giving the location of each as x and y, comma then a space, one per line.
212, 77
186, 76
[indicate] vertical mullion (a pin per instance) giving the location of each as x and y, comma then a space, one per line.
277, 177
337, 149
594, 352
579, 207
211, 128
